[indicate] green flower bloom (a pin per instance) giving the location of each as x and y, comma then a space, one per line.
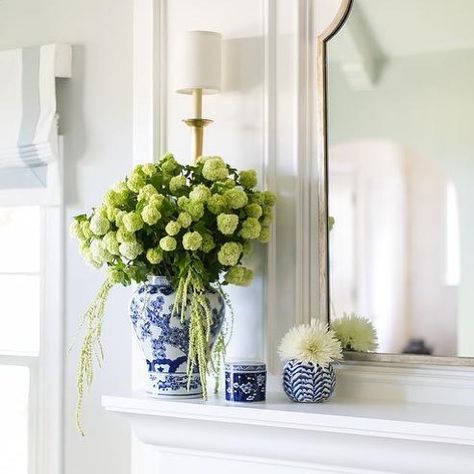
121, 187
110, 213
192, 240
183, 202
76, 229
229, 183
253, 210
132, 221
239, 276
87, 256
110, 198
168, 164
156, 200
123, 235
136, 181
227, 223
214, 169
269, 199
131, 250
99, 224
184, 219
111, 243
267, 216
200, 193
248, 178
122, 193
177, 183
119, 218
172, 228
229, 254
151, 215
154, 256
168, 244
116, 276
256, 198
236, 198
147, 192
208, 243
250, 228
149, 169
195, 210
86, 230
99, 252
216, 204
265, 235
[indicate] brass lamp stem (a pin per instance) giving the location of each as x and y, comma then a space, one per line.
197, 125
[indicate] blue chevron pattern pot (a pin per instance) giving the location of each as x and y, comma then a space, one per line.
308, 383
164, 339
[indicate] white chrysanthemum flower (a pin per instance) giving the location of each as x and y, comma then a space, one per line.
313, 343
355, 333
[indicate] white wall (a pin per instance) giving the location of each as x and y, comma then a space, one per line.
96, 121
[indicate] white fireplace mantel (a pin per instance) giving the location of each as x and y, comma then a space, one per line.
338, 436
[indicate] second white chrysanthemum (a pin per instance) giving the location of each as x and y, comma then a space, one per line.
355, 333
313, 343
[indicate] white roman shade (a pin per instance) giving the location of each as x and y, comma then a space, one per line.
28, 115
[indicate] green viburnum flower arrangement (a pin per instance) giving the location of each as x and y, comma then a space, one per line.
355, 333
190, 223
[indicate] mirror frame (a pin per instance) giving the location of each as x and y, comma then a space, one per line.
323, 192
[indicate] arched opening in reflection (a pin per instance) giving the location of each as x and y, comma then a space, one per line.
394, 246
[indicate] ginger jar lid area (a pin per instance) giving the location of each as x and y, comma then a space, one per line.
245, 366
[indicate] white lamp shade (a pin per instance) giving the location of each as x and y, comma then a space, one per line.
198, 62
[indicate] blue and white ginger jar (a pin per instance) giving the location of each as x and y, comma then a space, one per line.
306, 382
164, 339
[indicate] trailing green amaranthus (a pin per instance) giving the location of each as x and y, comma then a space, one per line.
193, 224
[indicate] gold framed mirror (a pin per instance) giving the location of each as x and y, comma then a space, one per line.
394, 166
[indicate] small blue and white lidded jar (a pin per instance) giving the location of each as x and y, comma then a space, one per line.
245, 381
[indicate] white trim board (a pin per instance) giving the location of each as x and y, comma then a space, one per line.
410, 421
433, 438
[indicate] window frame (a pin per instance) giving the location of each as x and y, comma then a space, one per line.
45, 407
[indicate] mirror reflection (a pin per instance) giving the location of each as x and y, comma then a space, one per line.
401, 173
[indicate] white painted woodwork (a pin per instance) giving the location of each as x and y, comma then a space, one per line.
386, 417
327, 437
63, 60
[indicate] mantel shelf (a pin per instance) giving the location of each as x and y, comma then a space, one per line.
407, 421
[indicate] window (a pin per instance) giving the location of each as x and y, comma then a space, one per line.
20, 255
28, 378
